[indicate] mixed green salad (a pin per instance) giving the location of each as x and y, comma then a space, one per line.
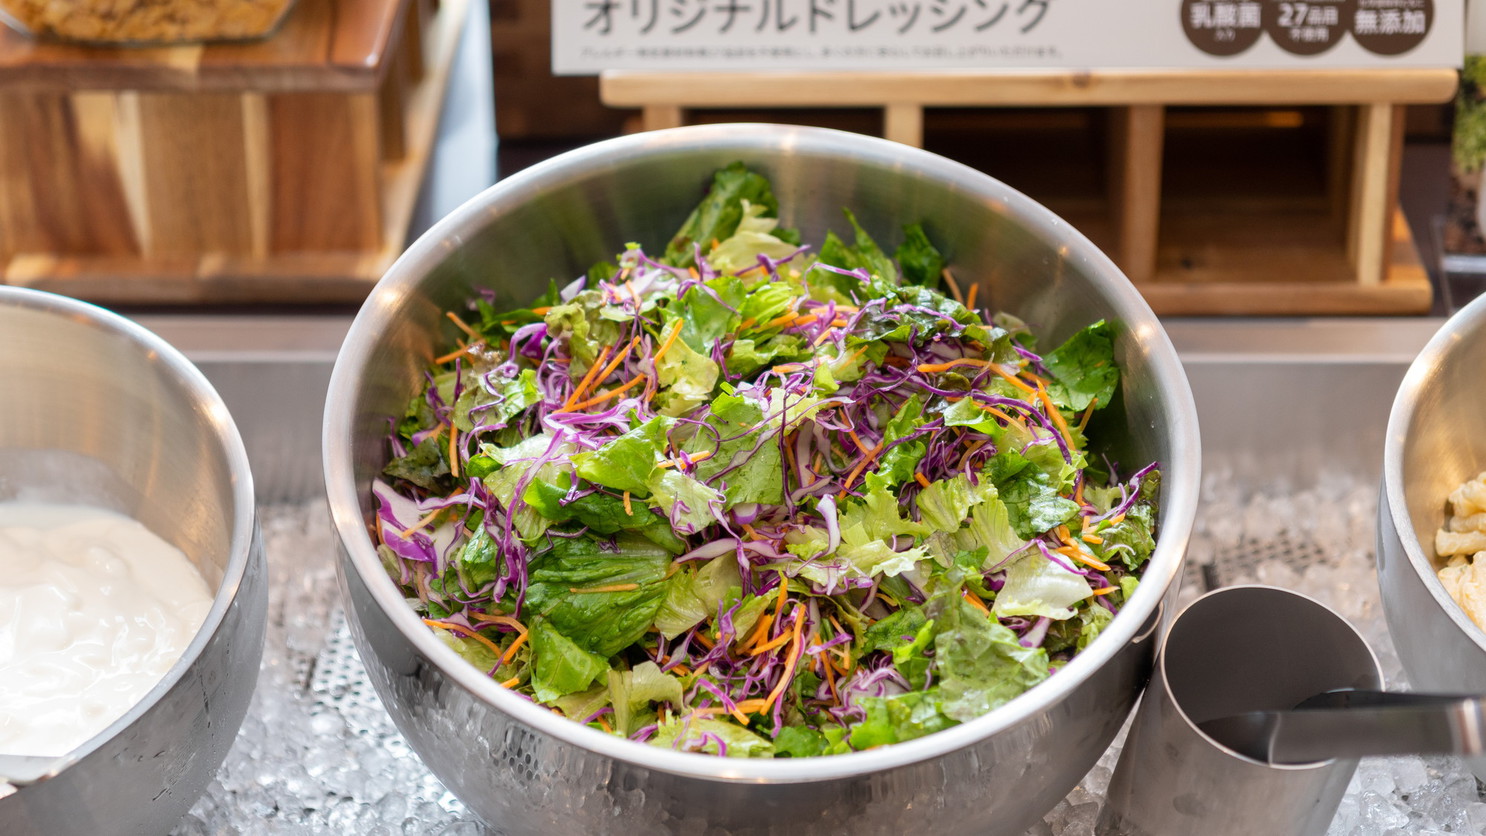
752, 498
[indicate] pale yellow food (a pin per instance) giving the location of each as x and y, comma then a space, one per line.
146, 21
1463, 541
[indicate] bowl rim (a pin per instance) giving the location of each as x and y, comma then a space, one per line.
1180, 479
243, 532
1420, 375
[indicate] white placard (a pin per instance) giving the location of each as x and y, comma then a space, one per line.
590, 36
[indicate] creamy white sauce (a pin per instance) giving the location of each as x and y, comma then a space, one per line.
94, 610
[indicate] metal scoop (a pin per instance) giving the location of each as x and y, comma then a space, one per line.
1356, 723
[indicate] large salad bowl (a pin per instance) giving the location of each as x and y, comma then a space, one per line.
524, 769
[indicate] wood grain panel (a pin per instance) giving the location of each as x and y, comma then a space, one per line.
195, 172
325, 155
58, 164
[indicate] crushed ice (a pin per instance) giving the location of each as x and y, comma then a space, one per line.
317, 753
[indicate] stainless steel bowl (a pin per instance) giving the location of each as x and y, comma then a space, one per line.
526, 770
1436, 440
99, 410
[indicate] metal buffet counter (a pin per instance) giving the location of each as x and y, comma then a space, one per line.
1292, 415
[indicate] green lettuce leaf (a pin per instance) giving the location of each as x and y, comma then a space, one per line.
921, 262
718, 215
560, 665
627, 462
635, 689
898, 718
980, 663
753, 237
687, 735
686, 379
1036, 587
603, 623
1083, 368
799, 742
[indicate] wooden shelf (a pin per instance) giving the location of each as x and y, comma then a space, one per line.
283, 171
1256, 235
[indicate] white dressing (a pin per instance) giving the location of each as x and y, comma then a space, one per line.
94, 610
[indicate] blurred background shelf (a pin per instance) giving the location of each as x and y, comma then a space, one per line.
282, 170
1194, 208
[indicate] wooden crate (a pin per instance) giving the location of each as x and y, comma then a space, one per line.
280, 171
1347, 251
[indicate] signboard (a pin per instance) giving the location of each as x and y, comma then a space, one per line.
590, 36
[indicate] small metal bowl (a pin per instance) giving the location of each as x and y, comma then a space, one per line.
1436, 440
526, 770
100, 411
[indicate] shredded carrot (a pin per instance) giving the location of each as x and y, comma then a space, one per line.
1092, 538
770, 644
613, 587
755, 704
747, 323
466, 632
825, 335
963, 361
1013, 379
604, 724
408, 532
451, 355
860, 446
706, 642
752, 535
515, 646
1004, 416
453, 450
786, 320
1117, 519
861, 465
976, 446
587, 379
542, 311
1086, 559
628, 512
954, 286
632, 294
618, 358
612, 393
831, 679
1104, 591
1084, 421
666, 344
789, 662
919, 478
511, 683
453, 317
970, 297
502, 620
971, 598
1053, 413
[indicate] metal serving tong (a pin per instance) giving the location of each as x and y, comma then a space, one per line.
1356, 723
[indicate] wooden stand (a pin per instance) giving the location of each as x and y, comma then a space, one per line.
1351, 256
283, 170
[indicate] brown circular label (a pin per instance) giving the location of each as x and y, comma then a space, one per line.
1310, 27
1392, 27
1222, 27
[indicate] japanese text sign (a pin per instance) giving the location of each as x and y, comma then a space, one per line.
682, 35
